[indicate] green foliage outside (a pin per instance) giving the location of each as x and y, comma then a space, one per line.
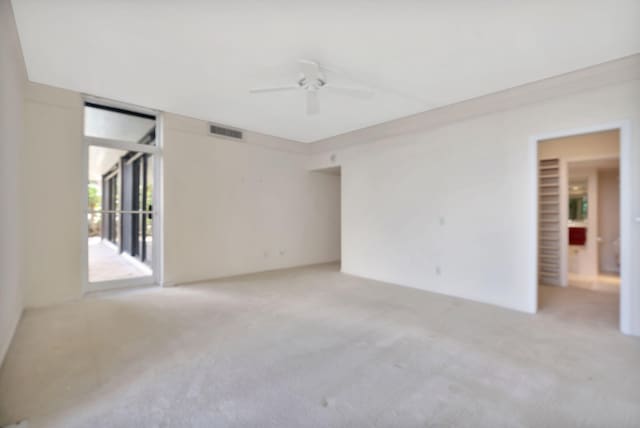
94, 199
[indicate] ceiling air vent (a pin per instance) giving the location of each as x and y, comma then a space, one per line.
222, 131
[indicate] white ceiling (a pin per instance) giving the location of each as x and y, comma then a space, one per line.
102, 160
200, 58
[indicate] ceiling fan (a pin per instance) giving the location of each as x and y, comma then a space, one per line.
312, 80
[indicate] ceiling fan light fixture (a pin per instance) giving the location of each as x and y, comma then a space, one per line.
312, 80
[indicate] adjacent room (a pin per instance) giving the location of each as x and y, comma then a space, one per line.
579, 241
319, 214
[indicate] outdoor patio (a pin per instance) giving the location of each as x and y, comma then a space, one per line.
106, 264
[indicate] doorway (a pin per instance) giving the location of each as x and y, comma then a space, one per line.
581, 219
123, 161
331, 181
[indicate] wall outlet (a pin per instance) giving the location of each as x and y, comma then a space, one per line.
438, 270
441, 221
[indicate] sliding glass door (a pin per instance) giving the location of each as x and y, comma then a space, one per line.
137, 217
110, 200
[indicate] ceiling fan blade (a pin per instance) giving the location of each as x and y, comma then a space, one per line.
312, 103
310, 69
274, 89
353, 92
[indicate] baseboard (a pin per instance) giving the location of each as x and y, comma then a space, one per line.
5, 346
241, 274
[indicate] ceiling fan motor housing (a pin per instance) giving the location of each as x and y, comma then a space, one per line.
311, 85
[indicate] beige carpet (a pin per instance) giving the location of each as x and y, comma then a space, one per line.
312, 347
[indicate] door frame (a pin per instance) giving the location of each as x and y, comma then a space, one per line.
626, 216
157, 262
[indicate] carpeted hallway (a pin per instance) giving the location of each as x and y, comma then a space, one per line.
313, 347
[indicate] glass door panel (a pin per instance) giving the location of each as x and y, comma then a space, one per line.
119, 214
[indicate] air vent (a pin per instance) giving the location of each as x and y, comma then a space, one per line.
225, 132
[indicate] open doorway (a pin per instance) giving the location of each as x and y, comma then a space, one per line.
122, 163
579, 242
332, 208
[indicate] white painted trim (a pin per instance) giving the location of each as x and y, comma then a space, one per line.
564, 223
84, 207
532, 268
120, 211
627, 310
157, 260
118, 104
122, 145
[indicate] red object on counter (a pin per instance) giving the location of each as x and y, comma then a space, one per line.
577, 235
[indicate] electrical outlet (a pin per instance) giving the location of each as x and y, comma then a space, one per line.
441, 221
438, 270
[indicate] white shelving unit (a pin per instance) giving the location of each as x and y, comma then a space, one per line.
549, 224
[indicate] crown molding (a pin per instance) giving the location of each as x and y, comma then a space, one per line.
601, 75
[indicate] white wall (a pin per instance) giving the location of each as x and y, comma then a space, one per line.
53, 180
454, 197
237, 207
458, 197
12, 80
229, 207
609, 220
